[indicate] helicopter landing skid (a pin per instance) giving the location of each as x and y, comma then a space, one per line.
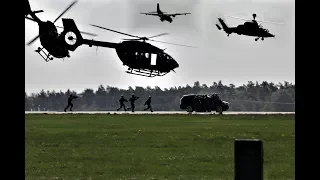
47, 57
146, 72
256, 39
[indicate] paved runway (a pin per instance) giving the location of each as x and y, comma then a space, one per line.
148, 112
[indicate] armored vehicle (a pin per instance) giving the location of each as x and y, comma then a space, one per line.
203, 103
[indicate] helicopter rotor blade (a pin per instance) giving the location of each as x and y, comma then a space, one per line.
238, 18
172, 43
30, 19
158, 35
131, 39
270, 22
87, 33
82, 32
115, 31
30, 42
65, 10
255, 20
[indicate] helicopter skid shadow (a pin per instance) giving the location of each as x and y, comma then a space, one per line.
146, 73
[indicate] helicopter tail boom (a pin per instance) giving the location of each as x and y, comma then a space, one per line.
99, 43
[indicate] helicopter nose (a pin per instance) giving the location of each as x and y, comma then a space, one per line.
175, 64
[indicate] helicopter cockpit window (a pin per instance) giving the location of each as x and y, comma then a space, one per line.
153, 59
136, 53
147, 55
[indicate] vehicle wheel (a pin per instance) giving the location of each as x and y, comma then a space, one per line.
219, 109
189, 109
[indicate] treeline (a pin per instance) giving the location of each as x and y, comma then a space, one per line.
253, 96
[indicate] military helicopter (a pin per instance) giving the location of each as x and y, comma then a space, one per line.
53, 42
141, 57
249, 28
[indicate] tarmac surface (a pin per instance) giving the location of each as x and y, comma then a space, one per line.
148, 112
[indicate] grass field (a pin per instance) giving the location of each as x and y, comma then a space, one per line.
153, 146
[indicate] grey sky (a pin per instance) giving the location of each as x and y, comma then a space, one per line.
234, 59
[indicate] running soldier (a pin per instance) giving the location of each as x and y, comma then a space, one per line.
70, 99
148, 103
122, 100
132, 100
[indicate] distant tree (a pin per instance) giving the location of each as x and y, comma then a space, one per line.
281, 97
88, 98
101, 98
26, 102
264, 96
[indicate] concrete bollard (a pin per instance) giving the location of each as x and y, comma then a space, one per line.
248, 159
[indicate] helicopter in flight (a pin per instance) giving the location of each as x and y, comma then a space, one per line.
163, 15
249, 28
142, 58
51, 41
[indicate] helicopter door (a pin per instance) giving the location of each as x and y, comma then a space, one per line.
153, 59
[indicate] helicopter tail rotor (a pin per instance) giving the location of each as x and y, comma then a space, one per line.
71, 34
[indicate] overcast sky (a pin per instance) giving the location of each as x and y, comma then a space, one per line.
234, 59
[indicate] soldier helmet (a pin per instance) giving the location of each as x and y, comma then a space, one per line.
121, 95
132, 94
149, 96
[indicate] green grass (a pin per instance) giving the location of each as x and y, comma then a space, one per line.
153, 146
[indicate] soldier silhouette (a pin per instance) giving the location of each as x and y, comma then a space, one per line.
148, 103
132, 100
70, 99
122, 100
